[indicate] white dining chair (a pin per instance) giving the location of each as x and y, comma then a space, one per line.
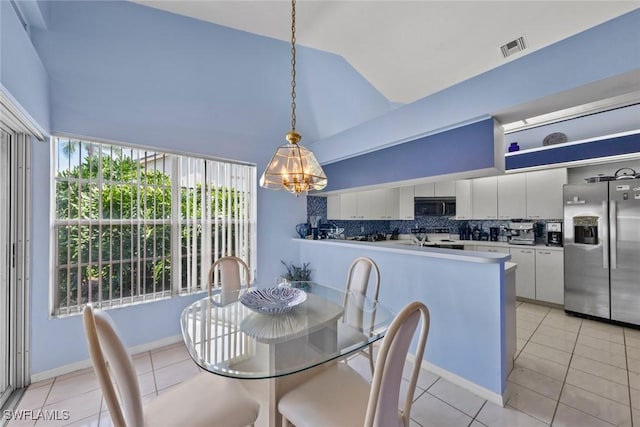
231, 270
358, 278
339, 396
203, 400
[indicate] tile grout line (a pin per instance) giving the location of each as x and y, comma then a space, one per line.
523, 347
475, 417
564, 381
626, 360
444, 401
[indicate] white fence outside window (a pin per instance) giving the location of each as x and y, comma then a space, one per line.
132, 224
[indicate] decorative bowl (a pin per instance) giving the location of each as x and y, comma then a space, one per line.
278, 300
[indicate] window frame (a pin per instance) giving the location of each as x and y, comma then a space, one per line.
176, 221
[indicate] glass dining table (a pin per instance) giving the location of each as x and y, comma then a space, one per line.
227, 334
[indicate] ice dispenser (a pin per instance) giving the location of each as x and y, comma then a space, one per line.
586, 230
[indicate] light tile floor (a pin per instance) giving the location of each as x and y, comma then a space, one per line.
568, 372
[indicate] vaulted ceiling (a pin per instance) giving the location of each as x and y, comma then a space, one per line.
410, 49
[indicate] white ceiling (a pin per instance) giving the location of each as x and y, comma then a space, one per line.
409, 49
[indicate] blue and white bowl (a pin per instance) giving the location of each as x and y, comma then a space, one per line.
276, 300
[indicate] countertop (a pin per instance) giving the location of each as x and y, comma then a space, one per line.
404, 246
408, 242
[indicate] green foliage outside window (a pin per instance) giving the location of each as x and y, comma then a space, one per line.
128, 252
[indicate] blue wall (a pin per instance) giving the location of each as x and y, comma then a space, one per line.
465, 300
467, 148
22, 73
604, 51
125, 72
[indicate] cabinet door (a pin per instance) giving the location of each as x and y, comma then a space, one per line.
373, 204
484, 203
493, 249
512, 197
349, 206
544, 193
445, 189
550, 276
406, 208
367, 206
333, 207
390, 199
463, 199
525, 273
425, 190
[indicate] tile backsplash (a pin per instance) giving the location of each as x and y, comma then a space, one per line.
318, 206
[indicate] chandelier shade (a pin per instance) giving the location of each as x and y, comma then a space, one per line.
293, 168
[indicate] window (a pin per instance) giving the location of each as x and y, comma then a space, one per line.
133, 224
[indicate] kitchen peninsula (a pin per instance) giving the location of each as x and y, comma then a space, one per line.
470, 296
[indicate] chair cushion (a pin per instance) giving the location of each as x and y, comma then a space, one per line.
336, 397
203, 400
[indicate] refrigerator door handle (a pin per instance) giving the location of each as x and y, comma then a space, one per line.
605, 241
613, 225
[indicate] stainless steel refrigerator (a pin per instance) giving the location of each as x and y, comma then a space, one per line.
602, 249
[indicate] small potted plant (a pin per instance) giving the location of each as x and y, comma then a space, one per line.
297, 277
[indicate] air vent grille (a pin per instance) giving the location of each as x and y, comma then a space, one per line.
513, 46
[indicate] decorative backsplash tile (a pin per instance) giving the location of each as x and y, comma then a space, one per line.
318, 206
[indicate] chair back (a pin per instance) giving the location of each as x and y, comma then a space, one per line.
358, 276
105, 347
356, 290
384, 398
230, 274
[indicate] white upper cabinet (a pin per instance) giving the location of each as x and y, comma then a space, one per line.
445, 189
371, 204
484, 200
406, 208
544, 193
436, 189
333, 207
425, 190
348, 206
512, 196
463, 199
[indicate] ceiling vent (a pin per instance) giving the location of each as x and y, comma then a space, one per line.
513, 46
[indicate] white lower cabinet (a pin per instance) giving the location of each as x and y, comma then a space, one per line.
526, 272
549, 276
495, 249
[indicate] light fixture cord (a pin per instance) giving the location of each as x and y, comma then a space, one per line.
293, 64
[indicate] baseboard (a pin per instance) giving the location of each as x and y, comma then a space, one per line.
491, 396
83, 364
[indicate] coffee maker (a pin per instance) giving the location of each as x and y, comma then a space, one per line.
494, 232
554, 234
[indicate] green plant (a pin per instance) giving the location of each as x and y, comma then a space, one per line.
297, 274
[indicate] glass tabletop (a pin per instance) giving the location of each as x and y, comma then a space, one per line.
227, 336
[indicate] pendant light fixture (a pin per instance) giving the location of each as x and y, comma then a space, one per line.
293, 168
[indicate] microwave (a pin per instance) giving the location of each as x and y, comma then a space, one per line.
434, 206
